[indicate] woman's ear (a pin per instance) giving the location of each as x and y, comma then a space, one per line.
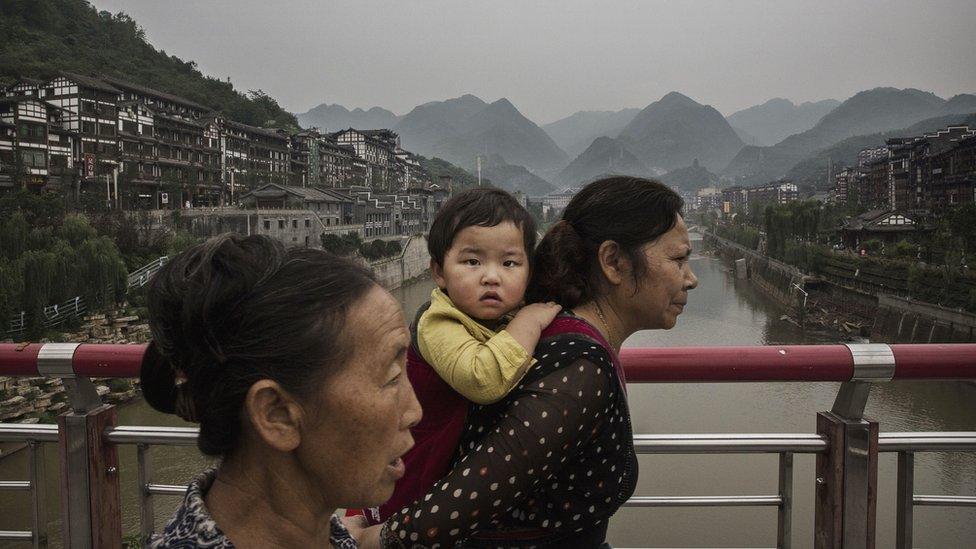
274, 414
613, 263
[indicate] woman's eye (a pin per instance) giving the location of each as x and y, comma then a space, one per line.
511, 263
396, 379
470, 261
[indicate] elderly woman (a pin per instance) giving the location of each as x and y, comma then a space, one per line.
550, 464
292, 361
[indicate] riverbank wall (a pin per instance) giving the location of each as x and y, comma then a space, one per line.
900, 320
413, 262
889, 318
781, 281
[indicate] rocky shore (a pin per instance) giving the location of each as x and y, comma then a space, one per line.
41, 399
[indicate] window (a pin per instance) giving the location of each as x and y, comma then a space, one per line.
34, 159
281, 223
88, 127
308, 223
267, 224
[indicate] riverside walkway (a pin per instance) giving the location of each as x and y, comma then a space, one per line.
846, 444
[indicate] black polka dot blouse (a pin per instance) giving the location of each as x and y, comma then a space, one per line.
548, 465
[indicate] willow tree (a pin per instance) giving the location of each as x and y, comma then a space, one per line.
14, 232
102, 271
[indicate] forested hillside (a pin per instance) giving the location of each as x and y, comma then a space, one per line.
42, 37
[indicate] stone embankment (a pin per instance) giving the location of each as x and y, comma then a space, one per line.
30, 400
846, 308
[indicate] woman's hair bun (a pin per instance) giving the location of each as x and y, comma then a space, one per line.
560, 270
157, 377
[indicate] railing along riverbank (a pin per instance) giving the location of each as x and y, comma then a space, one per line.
846, 444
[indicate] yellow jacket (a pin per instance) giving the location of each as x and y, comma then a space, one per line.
480, 364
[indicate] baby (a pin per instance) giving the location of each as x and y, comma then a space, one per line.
472, 342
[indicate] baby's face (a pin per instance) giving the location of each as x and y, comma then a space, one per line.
485, 271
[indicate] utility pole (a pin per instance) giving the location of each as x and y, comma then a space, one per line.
479, 169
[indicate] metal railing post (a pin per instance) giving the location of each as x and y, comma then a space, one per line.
904, 519
35, 456
146, 512
90, 501
784, 522
847, 474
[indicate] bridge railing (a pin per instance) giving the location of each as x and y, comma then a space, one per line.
846, 444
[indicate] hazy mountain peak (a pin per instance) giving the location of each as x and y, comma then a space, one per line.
604, 156
332, 116
577, 131
779, 118
676, 129
462, 128
678, 98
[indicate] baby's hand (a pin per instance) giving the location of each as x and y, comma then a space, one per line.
540, 313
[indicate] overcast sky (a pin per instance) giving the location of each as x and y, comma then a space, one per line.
554, 58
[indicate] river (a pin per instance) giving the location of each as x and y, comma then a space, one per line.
721, 311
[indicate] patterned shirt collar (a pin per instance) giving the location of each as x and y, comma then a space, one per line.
192, 526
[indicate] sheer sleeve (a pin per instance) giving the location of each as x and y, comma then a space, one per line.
547, 420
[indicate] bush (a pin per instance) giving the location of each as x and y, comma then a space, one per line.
905, 249
872, 246
341, 245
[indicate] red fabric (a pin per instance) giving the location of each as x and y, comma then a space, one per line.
436, 437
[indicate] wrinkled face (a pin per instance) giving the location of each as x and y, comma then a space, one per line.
363, 414
486, 270
663, 290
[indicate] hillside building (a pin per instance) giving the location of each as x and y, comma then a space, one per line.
36, 150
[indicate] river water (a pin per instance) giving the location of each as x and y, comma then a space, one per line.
722, 311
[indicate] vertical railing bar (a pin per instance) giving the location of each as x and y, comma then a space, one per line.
784, 522
35, 454
146, 511
904, 518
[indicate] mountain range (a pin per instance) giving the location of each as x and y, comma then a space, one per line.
871, 111
778, 119
336, 117
576, 132
692, 143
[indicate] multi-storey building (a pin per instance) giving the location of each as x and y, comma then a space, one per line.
269, 159
377, 148
92, 112
190, 167
414, 176
734, 198
327, 163
845, 185
873, 185
777, 192
952, 175
867, 156
35, 148
140, 171
708, 198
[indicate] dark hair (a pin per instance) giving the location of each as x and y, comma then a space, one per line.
484, 207
234, 310
630, 211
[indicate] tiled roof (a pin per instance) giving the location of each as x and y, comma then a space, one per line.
91, 82
119, 83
